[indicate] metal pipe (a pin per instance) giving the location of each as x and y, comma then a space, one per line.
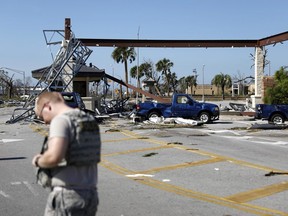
203, 97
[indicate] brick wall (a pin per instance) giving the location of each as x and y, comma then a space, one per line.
267, 82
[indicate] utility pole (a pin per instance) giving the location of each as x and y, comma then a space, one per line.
203, 97
137, 67
194, 79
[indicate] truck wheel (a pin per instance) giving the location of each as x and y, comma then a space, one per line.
153, 115
277, 119
205, 117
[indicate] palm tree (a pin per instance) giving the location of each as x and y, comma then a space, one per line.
123, 54
191, 81
173, 81
182, 85
133, 74
222, 81
165, 66
145, 69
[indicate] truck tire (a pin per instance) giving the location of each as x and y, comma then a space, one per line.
277, 119
153, 114
205, 117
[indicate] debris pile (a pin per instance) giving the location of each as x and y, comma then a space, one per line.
178, 120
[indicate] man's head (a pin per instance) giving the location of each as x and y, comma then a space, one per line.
46, 105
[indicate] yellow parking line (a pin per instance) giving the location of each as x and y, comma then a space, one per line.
115, 168
237, 201
253, 209
258, 193
205, 153
183, 165
118, 140
239, 162
136, 150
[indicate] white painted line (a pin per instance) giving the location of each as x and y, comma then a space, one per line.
30, 188
252, 139
4, 194
240, 137
220, 131
272, 142
10, 140
16, 183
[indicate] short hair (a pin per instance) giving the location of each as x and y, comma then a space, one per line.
54, 97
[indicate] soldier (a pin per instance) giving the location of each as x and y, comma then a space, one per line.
68, 161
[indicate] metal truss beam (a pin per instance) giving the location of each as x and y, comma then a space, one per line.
167, 43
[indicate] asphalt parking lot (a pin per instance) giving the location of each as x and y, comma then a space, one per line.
213, 169
222, 164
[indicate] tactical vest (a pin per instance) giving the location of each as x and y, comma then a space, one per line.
84, 148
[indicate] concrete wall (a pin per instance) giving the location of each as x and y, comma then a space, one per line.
91, 102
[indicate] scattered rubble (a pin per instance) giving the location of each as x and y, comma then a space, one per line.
150, 154
181, 121
174, 143
272, 173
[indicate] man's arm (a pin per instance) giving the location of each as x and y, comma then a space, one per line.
57, 147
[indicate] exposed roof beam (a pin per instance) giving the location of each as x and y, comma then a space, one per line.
155, 97
176, 43
274, 39
167, 43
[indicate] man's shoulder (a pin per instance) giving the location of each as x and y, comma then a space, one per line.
79, 115
61, 119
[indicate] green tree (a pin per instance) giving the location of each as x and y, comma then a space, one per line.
182, 85
133, 74
191, 81
173, 82
222, 80
278, 93
164, 66
123, 55
145, 69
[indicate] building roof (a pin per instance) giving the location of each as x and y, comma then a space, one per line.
148, 79
85, 71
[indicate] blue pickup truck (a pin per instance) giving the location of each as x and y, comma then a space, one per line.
274, 113
182, 105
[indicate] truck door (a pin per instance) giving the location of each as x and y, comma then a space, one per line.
183, 107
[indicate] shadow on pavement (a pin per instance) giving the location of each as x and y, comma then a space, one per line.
13, 158
269, 126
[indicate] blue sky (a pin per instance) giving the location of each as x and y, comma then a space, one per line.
23, 45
